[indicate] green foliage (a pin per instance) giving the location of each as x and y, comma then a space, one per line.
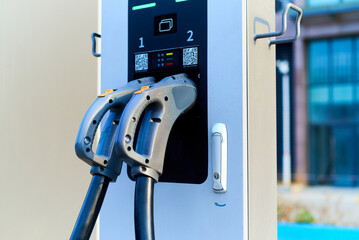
304, 216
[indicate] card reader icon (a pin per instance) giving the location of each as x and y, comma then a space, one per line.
166, 25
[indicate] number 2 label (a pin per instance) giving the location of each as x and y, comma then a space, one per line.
190, 38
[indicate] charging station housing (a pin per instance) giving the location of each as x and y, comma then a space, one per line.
235, 76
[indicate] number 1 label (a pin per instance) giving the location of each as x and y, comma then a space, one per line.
141, 42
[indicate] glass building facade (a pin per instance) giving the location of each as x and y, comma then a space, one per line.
284, 52
333, 111
321, 3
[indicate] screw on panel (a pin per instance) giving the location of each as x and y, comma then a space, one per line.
127, 138
87, 140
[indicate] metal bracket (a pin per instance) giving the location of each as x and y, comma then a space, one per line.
284, 27
93, 37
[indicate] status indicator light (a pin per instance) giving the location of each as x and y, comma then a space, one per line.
169, 64
143, 6
181, 0
169, 54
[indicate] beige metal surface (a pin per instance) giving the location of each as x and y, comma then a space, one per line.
47, 81
261, 97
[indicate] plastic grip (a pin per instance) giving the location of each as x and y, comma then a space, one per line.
157, 108
116, 100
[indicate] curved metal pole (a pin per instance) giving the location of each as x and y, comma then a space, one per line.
284, 27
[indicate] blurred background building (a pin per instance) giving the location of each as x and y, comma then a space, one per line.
323, 94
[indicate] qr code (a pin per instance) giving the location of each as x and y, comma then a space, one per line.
141, 62
190, 56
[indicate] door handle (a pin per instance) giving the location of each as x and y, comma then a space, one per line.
219, 157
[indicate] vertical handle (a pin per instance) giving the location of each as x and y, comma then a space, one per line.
219, 157
93, 37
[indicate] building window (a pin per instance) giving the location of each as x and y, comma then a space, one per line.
324, 3
333, 97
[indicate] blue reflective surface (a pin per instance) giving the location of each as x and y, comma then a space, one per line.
323, 3
333, 111
296, 231
332, 79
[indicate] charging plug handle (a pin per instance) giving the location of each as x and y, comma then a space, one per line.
114, 100
158, 107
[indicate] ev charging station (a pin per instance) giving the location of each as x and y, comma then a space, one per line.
200, 119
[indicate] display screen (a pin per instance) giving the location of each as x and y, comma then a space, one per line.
165, 24
167, 60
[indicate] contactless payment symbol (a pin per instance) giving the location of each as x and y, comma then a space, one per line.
166, 25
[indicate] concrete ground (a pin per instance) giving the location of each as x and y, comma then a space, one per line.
327, 205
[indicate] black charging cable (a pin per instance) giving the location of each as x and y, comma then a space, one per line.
90, 208
144, 226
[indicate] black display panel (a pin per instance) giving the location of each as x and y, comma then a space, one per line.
166, 38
